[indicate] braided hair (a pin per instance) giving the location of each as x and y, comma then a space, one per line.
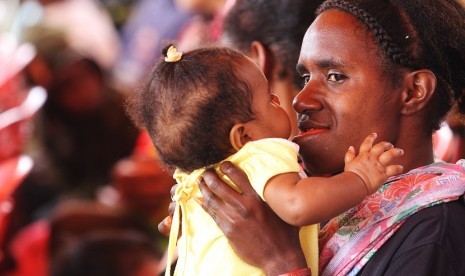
415, 34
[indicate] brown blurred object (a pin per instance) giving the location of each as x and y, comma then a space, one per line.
109, 253
143, 185
73, 219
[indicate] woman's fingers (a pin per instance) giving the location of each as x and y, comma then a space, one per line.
251, 227
237, 176
173, 190
165, 226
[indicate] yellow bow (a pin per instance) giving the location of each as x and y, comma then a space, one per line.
172, 55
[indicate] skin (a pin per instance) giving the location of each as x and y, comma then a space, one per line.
283, 87
330, 119
338, 77
272, 120
339, 66
287, 194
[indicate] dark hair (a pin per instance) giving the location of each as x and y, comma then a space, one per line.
279, 25
416, 34
106, 253
189, 106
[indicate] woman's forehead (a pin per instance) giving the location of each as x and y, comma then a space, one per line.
336, 38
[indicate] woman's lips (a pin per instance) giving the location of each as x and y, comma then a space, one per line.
313, 131
310, 132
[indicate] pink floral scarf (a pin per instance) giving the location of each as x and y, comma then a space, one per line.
348, 241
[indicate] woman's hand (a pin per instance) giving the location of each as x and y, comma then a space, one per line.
255, 232
165, 225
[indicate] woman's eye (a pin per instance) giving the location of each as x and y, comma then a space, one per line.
305, 80
336, 77
275, 99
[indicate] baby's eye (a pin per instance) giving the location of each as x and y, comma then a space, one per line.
336, 77
275, 99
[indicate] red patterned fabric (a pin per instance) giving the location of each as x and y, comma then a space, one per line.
351, 239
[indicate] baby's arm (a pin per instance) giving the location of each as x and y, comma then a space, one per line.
316, 199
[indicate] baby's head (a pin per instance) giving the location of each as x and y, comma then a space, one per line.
204, 107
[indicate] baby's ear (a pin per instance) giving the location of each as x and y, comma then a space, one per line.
238, 136
421, 85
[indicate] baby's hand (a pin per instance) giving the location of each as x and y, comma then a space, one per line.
373, 163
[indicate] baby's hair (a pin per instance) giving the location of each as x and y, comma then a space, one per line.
189, 106
418, 34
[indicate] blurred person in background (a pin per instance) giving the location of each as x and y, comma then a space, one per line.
147, 26
86, 25
109, 253
38, 249
83, 129
207, 24
81, 132
80, 138
449, 140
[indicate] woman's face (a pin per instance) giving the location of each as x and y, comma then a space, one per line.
345, 97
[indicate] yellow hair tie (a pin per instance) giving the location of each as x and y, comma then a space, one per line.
172, 55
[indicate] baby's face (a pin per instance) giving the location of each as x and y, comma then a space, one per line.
272, 120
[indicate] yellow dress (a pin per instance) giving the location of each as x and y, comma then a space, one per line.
202, 248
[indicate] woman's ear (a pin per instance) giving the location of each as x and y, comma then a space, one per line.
421, 85
262, 57
238, 136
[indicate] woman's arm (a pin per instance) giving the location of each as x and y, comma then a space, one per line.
255, 232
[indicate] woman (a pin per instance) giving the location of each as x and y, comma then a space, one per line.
364, 72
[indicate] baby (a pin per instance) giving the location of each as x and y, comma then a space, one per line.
214, 104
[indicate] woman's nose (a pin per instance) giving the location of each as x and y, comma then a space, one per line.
307, 100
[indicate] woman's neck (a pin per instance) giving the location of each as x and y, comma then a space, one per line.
418, 151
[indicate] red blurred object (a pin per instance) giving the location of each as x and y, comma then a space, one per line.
15, 122
144, 146
13, 59
18, 103
12, 173
30, 249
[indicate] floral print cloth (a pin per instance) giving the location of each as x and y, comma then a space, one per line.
348, 241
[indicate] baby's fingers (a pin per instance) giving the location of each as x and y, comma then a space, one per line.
389, 155
379, 149
350, 155
367, 144
394, 170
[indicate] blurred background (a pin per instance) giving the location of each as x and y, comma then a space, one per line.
77, 180
81, 189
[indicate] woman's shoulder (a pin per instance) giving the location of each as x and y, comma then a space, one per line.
430, 242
